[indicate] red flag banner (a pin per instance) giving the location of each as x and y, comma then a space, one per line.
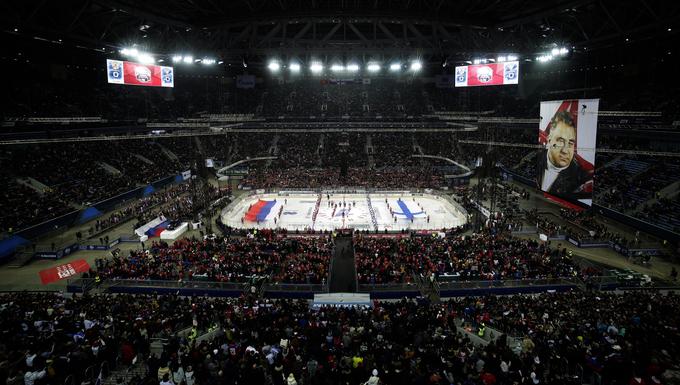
64, 271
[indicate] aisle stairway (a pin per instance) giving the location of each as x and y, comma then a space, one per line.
343, 276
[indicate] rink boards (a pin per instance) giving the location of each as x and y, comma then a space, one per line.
390, 210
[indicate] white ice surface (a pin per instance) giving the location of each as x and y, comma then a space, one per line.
298, 209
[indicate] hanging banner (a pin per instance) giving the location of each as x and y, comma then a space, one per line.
494, 74
567, 133
130, 73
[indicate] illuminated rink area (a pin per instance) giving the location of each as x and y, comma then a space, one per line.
391, 211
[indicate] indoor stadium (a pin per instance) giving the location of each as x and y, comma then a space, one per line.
340, 192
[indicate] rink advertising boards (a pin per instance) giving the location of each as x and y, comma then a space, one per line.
495, 74
136, 74
565, 163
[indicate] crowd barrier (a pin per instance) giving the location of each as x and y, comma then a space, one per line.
307, 291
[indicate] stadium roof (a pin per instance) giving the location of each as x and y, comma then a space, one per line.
285, 28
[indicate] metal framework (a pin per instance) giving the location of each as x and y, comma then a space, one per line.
362, 29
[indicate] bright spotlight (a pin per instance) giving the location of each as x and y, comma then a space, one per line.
501, 59
208, 61
294, 67
373, 67
395, 67
145, 58
477, 61
512, 58
176, 59
188, 59
544, 58
563, 51
353, 67
316, 67
337, 68
129, 52
416, 66
555, 51
274, 66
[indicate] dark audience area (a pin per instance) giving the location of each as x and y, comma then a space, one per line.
551, 338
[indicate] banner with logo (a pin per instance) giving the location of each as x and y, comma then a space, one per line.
130, 73
495, 74
245, 81
567, 135
64, 271
57, 253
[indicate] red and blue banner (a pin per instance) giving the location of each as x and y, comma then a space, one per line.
137, 74
259, 211
494, 74
157, 230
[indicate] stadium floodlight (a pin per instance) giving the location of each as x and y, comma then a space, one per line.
337, 68
274, 66
373, 67
395, 67
294, 67
176, 58
208, 61
555, 51
353, 67
501, 59
512, 58
316, 67
477, 61
416, 65
145, 58
129, 52
563, 51
188, 59
544, 58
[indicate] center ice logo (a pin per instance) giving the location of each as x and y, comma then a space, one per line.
342, 212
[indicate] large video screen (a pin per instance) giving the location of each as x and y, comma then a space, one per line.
136, 74
496, 74
566, 162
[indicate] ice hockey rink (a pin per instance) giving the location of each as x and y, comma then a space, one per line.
391, 211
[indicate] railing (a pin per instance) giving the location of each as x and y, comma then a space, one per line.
84, 284
463, 285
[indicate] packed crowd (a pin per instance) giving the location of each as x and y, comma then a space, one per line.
628, 338
230, 259
480, 256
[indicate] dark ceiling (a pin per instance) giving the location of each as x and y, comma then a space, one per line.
363, 28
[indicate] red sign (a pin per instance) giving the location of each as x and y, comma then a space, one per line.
64, 271
142, 75
137, 74
493, 74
